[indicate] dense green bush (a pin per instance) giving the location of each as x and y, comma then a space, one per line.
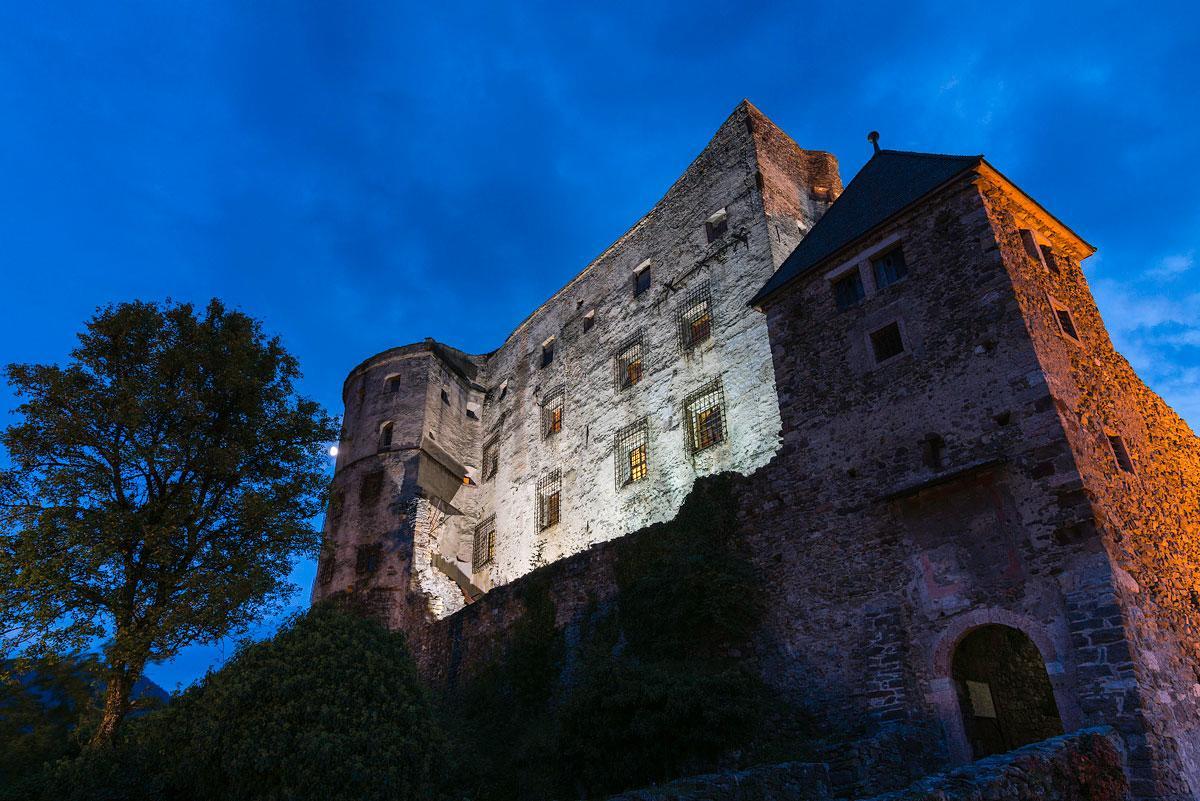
46, 707
330, 708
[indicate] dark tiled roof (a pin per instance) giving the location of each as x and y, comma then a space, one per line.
888, 183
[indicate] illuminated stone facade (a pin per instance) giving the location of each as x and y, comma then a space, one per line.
938, 447
658, 369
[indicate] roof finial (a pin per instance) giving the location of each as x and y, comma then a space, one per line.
873, 138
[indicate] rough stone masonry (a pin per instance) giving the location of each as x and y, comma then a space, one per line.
970, 514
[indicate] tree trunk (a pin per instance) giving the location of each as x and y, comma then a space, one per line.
118, 697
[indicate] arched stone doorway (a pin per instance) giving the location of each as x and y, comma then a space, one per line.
1003, 689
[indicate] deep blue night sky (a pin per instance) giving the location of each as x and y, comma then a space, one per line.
362, 175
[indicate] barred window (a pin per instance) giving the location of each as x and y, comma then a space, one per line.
549, 491
552, 413
695, 317
630, 452
491, 458
484, 546
366, 558
705, 414
370, 488
628, 363
325, 573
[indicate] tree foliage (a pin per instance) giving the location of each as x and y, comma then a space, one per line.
162, 483
330, 709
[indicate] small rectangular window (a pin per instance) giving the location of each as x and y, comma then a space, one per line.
491, 459
641, 280
483, 548
325, 573
628, 363
445, 397
1066, 323
704, 414
366, 558
385, 436
716, 226
547, 352
630, 453
392, 384
1120, 453
552, 413
1062, 316
889, 268
848, 290
589, 321
370, 488
549, 492
695, 318
1049, 260
887, 343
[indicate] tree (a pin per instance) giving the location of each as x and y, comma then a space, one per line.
161, 485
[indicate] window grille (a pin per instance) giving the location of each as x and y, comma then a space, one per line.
695, 317
484, 547
552, 413
848, 290
628, 363
549, 492
889, 268
370, 488
705, 414
887, 342
491, 458
325, 574
366, 558
631, 446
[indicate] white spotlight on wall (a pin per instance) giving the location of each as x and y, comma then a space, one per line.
333, 450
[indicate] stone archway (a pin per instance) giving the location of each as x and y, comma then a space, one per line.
1005, 696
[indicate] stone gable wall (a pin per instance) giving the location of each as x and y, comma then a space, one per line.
1147, 520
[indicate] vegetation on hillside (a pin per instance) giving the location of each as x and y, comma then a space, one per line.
659, 684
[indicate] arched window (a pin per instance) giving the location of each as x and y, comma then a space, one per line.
385, 436
1003, 690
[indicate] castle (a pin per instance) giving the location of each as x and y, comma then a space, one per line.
968, 509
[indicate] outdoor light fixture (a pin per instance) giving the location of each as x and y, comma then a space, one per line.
333, 450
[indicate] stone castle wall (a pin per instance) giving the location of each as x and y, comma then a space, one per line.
448, 405
1147, 518
880, 552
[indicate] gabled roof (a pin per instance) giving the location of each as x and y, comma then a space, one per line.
887, 184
